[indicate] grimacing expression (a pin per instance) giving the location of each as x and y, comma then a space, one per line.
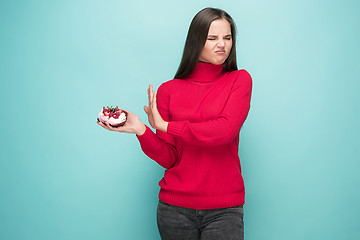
218, 43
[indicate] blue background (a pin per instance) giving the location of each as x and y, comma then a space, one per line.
64, 177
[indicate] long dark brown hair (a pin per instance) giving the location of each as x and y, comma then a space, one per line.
196, 39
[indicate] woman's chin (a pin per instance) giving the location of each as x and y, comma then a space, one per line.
217, 61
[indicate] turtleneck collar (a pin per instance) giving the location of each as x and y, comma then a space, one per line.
205, 72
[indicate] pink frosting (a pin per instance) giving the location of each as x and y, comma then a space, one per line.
102, 117
112, 121
121, 119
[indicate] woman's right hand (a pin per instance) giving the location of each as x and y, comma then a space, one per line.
133, 124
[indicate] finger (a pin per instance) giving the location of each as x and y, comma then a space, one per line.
154, 101
100, 123
126, 112
146, 109
154, 106
151, 94
116, 128
109, 127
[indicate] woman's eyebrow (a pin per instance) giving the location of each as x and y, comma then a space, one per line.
211, 35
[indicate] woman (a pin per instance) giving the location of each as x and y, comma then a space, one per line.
197, 117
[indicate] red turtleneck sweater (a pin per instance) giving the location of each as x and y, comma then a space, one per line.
205, 112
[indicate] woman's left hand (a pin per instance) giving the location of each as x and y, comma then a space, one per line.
155, 119
133, 124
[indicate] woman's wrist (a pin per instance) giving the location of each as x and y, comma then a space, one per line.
164, 126
141, 130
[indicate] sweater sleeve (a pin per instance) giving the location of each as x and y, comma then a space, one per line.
160, 146
224, 128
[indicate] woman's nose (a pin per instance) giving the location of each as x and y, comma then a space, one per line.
221, 43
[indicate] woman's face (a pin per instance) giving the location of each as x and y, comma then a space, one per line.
218, 43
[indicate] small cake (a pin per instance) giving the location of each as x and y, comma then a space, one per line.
114, 116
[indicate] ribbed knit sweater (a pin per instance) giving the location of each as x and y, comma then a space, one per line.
205, 112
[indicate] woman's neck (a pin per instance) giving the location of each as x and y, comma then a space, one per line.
205, 72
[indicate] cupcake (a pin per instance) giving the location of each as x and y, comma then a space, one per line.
114, 116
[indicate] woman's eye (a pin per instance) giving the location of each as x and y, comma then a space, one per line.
211, 39
228, 38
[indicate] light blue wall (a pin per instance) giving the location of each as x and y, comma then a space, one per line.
64, 177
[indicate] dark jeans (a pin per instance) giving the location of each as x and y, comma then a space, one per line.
186, 223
